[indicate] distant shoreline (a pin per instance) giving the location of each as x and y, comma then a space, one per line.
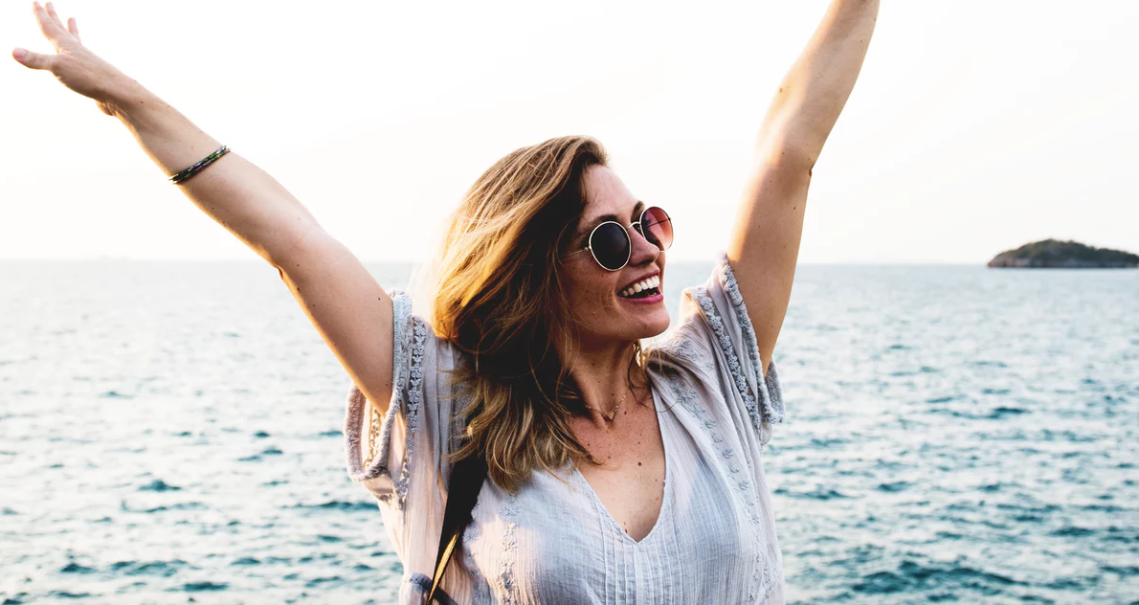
1056, 254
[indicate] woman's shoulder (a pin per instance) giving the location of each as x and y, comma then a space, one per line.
416, 337
714, 340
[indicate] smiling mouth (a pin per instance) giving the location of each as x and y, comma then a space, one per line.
642, 289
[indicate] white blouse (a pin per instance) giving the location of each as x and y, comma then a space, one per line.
714, 540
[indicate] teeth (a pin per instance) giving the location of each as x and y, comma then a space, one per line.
652, 282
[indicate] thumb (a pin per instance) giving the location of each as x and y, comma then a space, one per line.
32, 60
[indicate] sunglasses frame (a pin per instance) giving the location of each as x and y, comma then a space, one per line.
635, 225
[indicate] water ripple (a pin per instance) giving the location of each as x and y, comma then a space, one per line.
954, 435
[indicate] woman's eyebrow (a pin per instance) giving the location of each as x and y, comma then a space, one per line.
609, 217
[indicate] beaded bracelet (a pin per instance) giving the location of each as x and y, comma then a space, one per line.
185, 175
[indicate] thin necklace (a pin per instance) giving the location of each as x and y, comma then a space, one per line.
609, 416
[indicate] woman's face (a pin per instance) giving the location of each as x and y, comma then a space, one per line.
595, 293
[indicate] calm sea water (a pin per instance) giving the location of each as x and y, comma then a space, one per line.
171, 432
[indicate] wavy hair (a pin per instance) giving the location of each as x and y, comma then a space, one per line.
500, 298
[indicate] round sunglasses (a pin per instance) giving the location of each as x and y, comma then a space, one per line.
612, 246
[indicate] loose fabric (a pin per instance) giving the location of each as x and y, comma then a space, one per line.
714, 540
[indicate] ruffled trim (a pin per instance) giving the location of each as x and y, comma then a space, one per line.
414, 401
377, 465
725, 342
772, 396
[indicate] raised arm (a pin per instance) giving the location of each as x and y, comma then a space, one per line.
347, 306
764, 244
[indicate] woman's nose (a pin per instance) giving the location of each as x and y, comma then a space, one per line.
644, 251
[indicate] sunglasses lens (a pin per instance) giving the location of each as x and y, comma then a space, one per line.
611, 245
657, 227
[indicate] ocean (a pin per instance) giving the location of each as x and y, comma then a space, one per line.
170, 432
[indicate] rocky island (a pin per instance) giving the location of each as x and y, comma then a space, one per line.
1051, 253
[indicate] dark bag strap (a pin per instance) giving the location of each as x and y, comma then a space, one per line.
467, 476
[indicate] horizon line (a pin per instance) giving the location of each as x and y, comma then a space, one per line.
708, 261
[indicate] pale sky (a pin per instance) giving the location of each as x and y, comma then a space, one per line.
976, 126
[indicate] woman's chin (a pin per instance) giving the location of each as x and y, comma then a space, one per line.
655, 325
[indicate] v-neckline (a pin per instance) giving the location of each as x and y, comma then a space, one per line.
665, 499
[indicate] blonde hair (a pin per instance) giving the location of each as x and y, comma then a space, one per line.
500, 298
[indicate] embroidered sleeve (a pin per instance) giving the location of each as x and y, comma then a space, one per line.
379, 447
728, 327
401, 457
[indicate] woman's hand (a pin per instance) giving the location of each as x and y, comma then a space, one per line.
78, 68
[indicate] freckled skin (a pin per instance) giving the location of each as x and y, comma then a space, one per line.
609, 322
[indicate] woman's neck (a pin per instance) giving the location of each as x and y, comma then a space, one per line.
602, 374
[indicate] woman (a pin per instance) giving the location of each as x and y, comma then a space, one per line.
616, 473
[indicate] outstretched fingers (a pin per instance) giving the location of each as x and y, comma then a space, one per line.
72, 64
50, 26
